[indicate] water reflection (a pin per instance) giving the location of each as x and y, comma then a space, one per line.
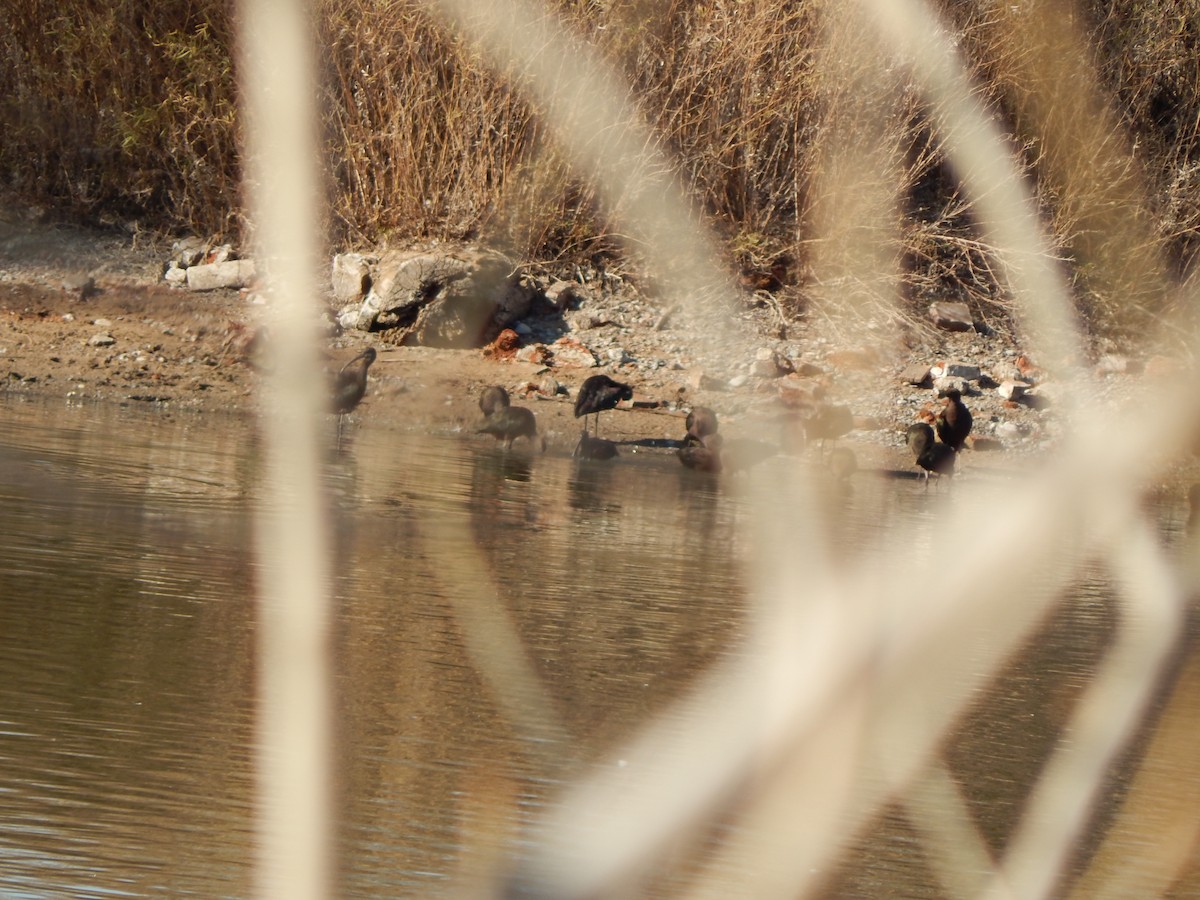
127, 649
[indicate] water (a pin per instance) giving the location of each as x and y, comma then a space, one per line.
127, 651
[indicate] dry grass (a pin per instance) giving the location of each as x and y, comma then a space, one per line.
424, 139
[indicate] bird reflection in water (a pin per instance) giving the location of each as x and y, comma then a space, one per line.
589, 488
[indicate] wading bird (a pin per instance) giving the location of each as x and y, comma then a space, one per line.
493, 398
931, 455
701, 454
827, 422
351, 383
597, 394
701, 422
953, 423
842, 464
511, 422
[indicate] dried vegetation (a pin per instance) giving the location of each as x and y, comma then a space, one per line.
125, 111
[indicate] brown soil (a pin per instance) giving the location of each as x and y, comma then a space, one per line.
182, 349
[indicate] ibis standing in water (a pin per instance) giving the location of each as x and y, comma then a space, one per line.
701, 422
931, 455
701, 454
597, 394
493, 398
511, 422
350, 386
827, 422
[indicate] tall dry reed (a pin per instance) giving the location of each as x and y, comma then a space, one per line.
124, 111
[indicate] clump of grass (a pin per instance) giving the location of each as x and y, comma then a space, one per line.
425, 141
121, 110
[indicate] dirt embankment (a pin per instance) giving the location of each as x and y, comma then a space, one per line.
87, 316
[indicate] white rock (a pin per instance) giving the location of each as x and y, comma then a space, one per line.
951, 316
947, 382
234, 273
351, 277
103, 339
963, 371
175, 274
573, 354
1012, 390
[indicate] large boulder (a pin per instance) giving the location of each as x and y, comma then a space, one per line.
449, 299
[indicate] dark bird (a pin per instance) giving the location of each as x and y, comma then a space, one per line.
599, 393
842, 463
351, 383
493, 398
827, 422
953, 423
931, 455
511, 422
594, 448
703, 455
701, 422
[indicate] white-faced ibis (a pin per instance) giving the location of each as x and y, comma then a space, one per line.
931, 455
701, 422
599, 393
954, 421
351, 383
594, 448
511, 422
842, 463
493, 398
827, 422
701, 454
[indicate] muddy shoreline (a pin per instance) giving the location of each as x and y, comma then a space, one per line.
86, 316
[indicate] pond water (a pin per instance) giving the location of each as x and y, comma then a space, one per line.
127, 650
